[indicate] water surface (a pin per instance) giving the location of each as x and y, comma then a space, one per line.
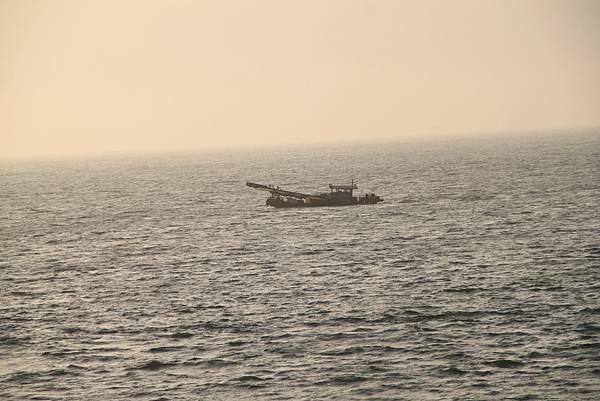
167, 278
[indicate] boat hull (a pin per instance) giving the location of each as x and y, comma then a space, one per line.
278, 202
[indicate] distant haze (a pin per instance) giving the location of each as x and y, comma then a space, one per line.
80, 77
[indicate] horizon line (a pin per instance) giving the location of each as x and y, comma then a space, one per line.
409, 138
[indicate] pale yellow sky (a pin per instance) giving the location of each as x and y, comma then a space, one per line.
82, 76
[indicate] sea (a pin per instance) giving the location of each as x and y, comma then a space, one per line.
166, 278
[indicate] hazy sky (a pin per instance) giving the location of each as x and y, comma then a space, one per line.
83, 76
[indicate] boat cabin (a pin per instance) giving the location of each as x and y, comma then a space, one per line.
342, 191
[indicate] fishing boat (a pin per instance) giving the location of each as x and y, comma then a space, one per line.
338, 195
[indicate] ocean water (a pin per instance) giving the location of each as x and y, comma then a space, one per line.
166, 278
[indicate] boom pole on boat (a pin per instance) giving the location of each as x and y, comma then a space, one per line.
276, 191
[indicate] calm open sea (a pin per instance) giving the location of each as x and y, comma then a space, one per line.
167, 279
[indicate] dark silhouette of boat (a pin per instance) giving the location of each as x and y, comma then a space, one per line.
338, 195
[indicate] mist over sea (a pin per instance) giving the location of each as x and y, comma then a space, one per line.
166, 278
